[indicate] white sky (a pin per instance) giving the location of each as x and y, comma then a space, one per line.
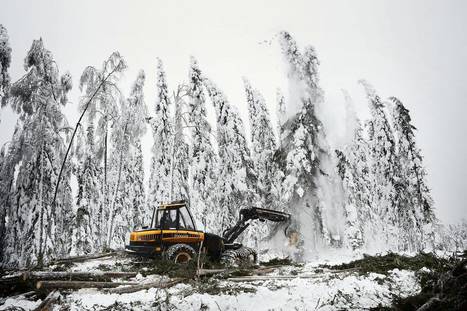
414, 50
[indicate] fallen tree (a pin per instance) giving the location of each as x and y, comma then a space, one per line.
47, 303
82, 276
45, 285
137, 288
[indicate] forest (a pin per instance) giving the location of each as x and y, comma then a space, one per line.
371, 194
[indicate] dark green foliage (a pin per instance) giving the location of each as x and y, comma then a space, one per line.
444, 286
212, 286
441, 290
278, 262
171, 269
383, 264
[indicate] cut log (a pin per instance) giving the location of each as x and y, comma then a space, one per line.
262, 271
252, 278
84, 258
137, 288
10, 279
48, 275
203, 272
78, 284
47, 303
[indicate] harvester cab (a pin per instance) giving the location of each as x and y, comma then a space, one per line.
172, 235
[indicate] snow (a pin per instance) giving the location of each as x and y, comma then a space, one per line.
19, 302
329, 291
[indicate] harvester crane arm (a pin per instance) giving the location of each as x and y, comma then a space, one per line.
252, 213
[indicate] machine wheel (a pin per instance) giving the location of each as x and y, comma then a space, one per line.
180, 253
235, 257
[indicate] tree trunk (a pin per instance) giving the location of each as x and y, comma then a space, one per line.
61, 275
111, 216
78, 284
46, 305
137, 288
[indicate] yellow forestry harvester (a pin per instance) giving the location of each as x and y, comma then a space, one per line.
172, 235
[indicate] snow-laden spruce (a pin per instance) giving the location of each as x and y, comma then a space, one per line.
159, 181
413, 199
5, 60
383, 167
353, 169
203, 158
130, 127
309, 179
36, 230
86, 235
263, 141
100, 105
236, 184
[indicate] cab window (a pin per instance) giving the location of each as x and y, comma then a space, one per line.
167, 219
185, 220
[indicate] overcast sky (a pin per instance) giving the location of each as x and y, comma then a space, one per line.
414, 50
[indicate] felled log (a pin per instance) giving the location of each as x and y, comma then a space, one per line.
45, 285
262, 271
203, 272
61, 275
84, 258
10, 279
252, 278
47, 303
137, 288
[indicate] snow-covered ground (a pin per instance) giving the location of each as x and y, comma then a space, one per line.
326, 293
312, 288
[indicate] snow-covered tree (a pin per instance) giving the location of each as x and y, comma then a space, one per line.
130, 126
354, 172
135, 180
5, 59
413, 198
10, 158
237, 178
159, 182
263, 141
353, 169
202, 173
101, 101
281, 112
130, 202
304, 150
89, 208
263, 147
37, 229
383, 166
179, 153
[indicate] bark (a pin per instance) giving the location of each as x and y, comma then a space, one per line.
49, 276
136, 288
112, 207
46, 305
78, 284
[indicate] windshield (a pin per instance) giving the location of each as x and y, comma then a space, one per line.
178, 218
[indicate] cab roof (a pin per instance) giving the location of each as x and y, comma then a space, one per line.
172, 205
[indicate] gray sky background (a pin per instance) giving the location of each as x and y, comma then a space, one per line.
414, 50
